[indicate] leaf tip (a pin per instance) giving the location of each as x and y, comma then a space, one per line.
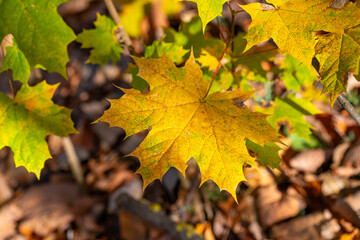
37, 174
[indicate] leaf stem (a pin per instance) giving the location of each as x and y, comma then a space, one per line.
10, 83
73, 160
115, 16
349, 108
2, 52
217, 68
230, 40
220, 30
232, 36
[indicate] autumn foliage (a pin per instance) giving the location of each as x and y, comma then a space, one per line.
189, 89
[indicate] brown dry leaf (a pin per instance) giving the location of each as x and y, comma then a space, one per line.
6, 192
305, 227
258, 177
354, 201
129, 230
351, 157
342, 210
45, 219
9, 214
46, 208
310, 161
275, 206
350, 163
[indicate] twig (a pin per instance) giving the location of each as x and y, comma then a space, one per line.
10, 83
7, 71
156, 218
220, 30
115, 16
349, 108
73, 160
232, 36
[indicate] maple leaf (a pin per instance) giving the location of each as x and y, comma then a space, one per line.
175, 52
192, 37
287, 23
223, 80
26, 120
292, 110
136, 82
39, 31
208, 10
102, 40
338, 55
267, 155
133, 13
295, 74
184, 125
251, 60
291, 24
16, 61
172, 50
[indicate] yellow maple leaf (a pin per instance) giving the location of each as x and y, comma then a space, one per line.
212, 130
292, 23
286, 23
338, 50
133, 13
338, 54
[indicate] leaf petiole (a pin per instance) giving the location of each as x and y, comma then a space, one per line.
10, 83
217, 68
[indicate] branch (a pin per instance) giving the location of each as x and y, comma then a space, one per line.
7, 41
115, 16
73, 160
158, 219
349, 108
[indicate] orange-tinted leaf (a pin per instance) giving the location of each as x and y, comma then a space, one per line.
26, 120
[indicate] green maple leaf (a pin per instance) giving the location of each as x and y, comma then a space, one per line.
136, 82
16, 60
267, 155
39, 31
292, 110
208, 10
250, 61
26, 120
102, 40
295, 74
192, 38
223, 80
172, 50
